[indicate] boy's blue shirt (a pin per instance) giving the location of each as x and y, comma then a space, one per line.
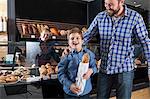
68, 68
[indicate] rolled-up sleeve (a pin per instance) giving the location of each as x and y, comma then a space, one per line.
62, 77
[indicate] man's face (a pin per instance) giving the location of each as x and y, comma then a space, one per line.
75, 41
112, 6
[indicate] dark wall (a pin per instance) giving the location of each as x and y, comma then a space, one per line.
54, 10
94, 8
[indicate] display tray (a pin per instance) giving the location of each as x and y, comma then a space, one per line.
9, 83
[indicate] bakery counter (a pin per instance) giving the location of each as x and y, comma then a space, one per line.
50, 86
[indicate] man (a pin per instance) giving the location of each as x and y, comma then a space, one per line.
118, 26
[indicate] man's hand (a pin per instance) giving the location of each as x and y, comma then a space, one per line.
75, 89
88, 74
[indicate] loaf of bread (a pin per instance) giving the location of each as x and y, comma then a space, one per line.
25, 29
85, 58
35, 30
54, 31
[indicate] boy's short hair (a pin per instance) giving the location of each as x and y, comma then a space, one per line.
75, 30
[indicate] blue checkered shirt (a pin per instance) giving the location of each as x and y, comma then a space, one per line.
116, 40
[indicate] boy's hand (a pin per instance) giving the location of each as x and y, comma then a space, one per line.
66, 51
75, 89
88, 74
137, 61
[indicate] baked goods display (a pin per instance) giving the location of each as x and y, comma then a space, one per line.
21, 72
7, 76
11, 78
46, 70
34, 28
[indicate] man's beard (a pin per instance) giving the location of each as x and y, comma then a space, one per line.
112, 12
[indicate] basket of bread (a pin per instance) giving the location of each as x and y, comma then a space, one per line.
48, 72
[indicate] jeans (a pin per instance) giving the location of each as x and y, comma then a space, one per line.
74, 97
122, 81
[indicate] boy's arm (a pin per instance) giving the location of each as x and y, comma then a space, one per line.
62, 77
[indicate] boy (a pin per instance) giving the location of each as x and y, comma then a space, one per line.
68, 67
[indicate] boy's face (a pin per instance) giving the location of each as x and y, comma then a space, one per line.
75, 41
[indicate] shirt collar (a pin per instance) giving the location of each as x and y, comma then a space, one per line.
126, 10
75, 51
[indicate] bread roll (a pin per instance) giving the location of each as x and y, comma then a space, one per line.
2, 77
50, 71
43, 70
11, 79
2, 81
47, 65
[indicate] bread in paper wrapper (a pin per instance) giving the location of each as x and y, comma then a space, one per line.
82, 69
